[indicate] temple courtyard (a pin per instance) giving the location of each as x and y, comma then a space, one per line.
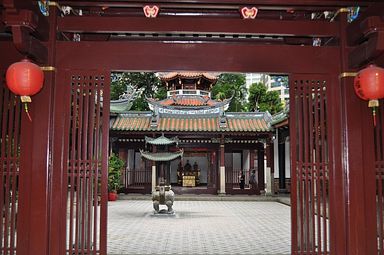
207, 226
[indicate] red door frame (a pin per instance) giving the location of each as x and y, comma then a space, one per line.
352, 140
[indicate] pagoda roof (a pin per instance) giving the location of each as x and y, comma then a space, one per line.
161, 140
161, 156
234, 122
188, 75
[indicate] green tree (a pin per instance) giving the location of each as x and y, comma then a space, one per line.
147, 80
115, 165
118, 85
260, 99
231, 84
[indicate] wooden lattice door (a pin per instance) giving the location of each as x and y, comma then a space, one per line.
10, 119
311, 159
85, 149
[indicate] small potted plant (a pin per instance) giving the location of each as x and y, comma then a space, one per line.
115, 164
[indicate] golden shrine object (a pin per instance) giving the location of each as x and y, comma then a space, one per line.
188, 176
189, 181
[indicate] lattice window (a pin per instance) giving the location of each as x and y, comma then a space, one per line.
10, 117
87, 148
311, 166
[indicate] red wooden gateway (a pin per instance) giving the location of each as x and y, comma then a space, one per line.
53, 171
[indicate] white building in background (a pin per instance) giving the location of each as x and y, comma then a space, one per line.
280, 84
277, 83
251, 78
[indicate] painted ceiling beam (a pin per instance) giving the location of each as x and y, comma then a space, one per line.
191, 25
166, 56
224, 4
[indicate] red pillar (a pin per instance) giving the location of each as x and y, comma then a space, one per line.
358, 171
36, 234
252, 160
260, 166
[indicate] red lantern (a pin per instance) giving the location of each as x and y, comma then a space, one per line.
25, 79
369, 85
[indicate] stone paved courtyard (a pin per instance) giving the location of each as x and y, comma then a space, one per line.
199, 227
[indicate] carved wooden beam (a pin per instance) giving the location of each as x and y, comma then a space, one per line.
29, 45
368, 51
196, 25
357, 32
24, 25
132, 55
27, 11
367, 21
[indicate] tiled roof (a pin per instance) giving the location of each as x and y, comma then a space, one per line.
191, 75
235, 123
191, 101
281, 118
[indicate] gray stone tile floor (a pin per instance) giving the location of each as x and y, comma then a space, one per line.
199, 227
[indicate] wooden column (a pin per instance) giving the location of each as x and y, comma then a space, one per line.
252, 160
357, 161
36, 234
222, 167
270, 167
260, 166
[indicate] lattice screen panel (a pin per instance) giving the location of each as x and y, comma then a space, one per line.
379, 157
86, 171
10, 117
311, 166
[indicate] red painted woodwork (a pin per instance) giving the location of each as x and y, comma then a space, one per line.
368, 51
9, 167
235, 57
85, 166
92, 24
379, 172
260, 166
311, 164
369, 83
52, 146
357, 161
24, 78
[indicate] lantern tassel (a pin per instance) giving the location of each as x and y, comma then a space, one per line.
26, 111
373, 104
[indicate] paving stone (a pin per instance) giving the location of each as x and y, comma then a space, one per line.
199, 227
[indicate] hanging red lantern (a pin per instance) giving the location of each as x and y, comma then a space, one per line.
369, 85
25, 79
